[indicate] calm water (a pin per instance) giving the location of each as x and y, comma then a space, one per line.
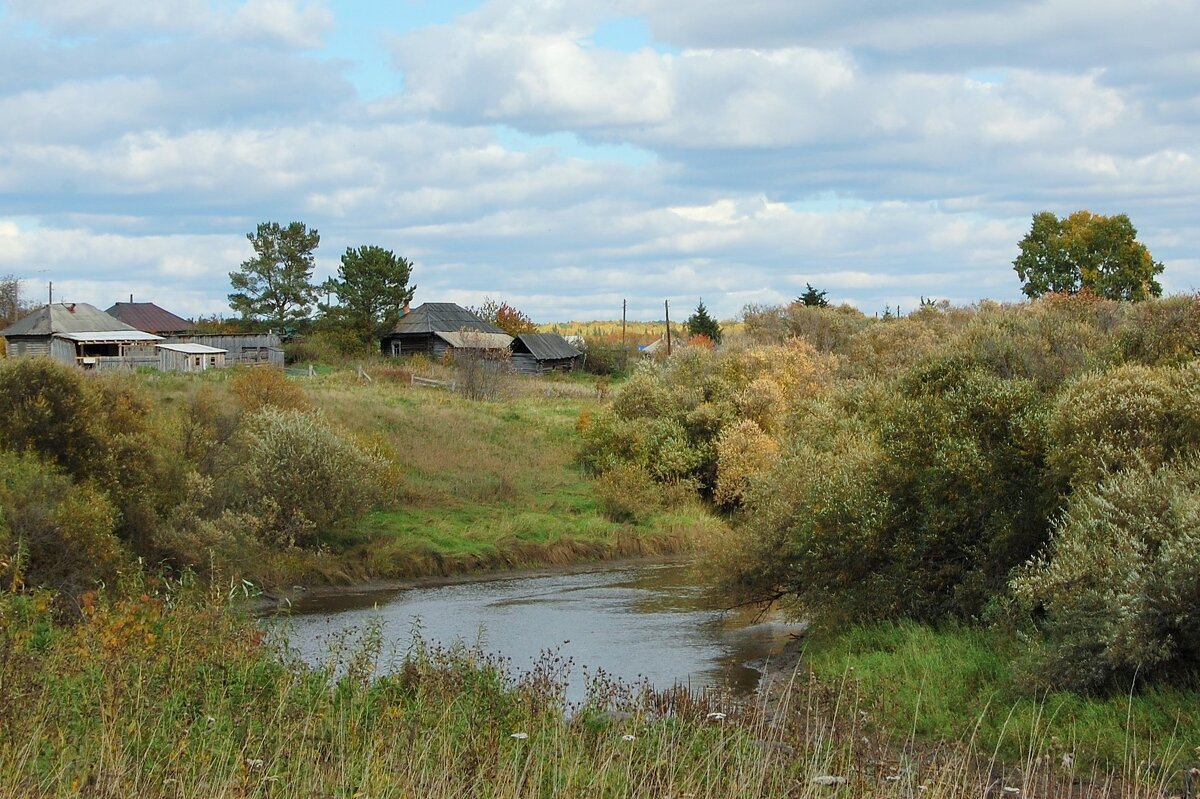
644, 621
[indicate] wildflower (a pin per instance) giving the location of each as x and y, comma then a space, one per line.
211, 721
253, 763
520, 736
628, 737
715, 716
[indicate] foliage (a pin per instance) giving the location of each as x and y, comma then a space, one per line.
504, 316
743, 451
812, 298
372, 289
275, 285
301, 477
53, 533
512, 321
1130, 416
701, 324
51, 409
1086, 252
1117, 591
260, 387
12, 307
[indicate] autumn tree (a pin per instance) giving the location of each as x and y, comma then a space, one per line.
372, 288
1086, 252
504, 316
276, 284
701, 324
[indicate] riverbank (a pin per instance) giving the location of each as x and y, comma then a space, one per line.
472, 486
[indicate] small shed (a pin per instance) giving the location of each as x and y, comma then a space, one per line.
186, 357
422, 330
489, 343
538, 353
246, 349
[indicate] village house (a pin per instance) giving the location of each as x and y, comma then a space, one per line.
437, 328
80, 334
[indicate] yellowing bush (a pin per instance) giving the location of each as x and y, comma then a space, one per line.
743, 451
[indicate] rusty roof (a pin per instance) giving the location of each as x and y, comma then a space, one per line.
149, 317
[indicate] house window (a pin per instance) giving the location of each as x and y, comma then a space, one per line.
395, 346
197, 362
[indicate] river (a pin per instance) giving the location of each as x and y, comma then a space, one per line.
636, 621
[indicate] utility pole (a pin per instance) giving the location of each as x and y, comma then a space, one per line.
624, 347
667, 312
51, 302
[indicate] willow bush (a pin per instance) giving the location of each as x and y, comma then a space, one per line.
1117, 590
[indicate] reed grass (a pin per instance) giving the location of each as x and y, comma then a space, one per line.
170, 694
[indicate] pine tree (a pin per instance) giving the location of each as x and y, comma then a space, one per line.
701, 324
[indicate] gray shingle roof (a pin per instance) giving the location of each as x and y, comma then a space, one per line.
547, 346
65, 317
442, 317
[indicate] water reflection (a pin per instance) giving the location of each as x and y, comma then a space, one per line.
651, 622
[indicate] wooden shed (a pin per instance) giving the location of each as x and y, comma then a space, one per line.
424, 329
538, 353
176, 357
246, 349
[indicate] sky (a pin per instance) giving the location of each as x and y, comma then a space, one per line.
565, 155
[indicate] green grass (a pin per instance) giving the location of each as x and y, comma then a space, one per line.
958, 683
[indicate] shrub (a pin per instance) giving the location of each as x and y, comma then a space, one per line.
1118, 587
301, 477
1129, 416
53, 532
628, 495
51, 409
260, 387
1162, 332
743, 451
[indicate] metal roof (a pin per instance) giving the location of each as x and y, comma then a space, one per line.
441, 317
111, 336
474, 340
547, 346
64, 317
149, 317
192, 349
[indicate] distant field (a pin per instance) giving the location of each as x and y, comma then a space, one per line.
638, 332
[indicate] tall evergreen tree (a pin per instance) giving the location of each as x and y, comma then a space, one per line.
371, 287
701, 324
276, 284
812, 298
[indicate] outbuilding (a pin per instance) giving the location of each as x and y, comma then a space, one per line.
538, 353
186, 357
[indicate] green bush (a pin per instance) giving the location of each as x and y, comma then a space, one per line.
294, 472
628, 495
1128, 416
51, 409
1117, 590
54, 533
